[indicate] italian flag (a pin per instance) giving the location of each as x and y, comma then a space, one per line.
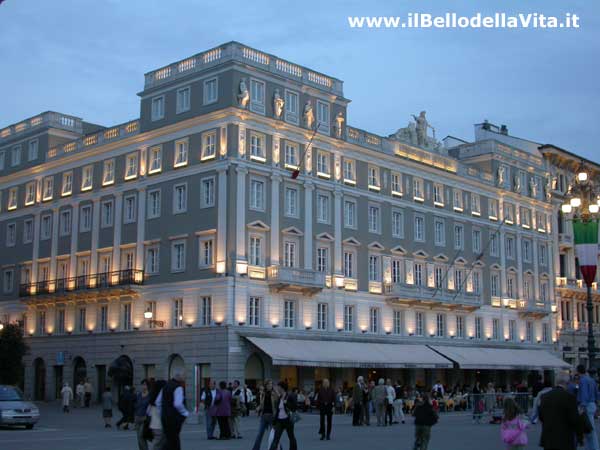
586, 246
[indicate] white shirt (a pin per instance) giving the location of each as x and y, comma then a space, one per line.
282, 414
391, 393
213, 393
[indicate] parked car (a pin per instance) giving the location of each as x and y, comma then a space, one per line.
15, 410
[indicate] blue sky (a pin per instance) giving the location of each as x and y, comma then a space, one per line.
87, 58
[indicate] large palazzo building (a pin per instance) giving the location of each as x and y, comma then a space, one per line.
240, 228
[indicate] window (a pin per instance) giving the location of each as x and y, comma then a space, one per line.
32, 151
206, 253
107, 213
85, 223
289, 314
438, 194
254, 311
67, 183
374, 271
183, 100
257, 194
207, 192
46, 227
152, 261
459, 237
458, 203
211, 91
178, 256
544, 291
291, 155
291, 202
209, 145
495, 329
349, 264
397, 224
509, 213
30, 193
11, 234
374, 320
131, 166
526, 250
60, 321
181, 153
398, 322
48, 188
103, 317
206, 311
323, 208
154, 204
257, 96
493, 209
511, 283
349, 171
529, 331
419, 323
348, 318
349, 214
438, 277
257, 147
289, 254
108, 173
459, 279
323, 164
374, 221
494, 244
126, 316
526, 218
510, 247
158, 108
397, 184
322, 316
27, 231
322, 259
2, 158
291, 107
475, 204
418, 189
512, 327
476, 282
418, 274
13, 194
543, 254
177, 312
374, 183
478, 327
129, 209
439, 228
323, 117
419, 228
41, 316
441, 325
460, 327
15, 156
65, 222
545, 333
476, 241
495, 284
155, 165
82, 319
255, 251
179, 198
87, 177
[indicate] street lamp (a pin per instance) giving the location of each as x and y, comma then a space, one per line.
149, 316
584, 205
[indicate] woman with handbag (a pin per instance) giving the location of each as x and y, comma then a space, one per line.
153, 431
285, 416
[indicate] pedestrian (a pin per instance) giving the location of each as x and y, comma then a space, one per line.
490, 401
378, 397
208, 397
477, 403
80, 393
536, 402
236, 410
154, 411
559, 417
267, 405
357, 401
285, 416
107, 407
142, 401
399, 403
325, 403
88, 392
223, 411
66, 394
171, 402
125, 405
513, 430
389, 402
587, 398
425, 418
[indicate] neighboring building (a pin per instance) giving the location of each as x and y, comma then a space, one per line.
206, 236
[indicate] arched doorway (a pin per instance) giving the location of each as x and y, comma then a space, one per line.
121, 373
176, 365
254, 373
79, 371
39, 383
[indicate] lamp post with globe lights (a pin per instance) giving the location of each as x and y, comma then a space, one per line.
583, 203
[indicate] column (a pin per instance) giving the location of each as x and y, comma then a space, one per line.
36, 247
54, 245
502, 244
117, 225
337, 246
95, 236
275, 182
74, 239
536, 270
308, 223
222, 220
518, 243
141, 230
240, 209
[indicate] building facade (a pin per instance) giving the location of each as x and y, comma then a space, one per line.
241, 229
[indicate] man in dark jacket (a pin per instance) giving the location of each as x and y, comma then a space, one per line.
425, 418
559, 416
357, 401
171, 401
326, 403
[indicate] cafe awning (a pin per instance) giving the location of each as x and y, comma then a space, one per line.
484, 358
321, 353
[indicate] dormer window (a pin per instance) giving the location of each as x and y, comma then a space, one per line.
183, 100
158, 108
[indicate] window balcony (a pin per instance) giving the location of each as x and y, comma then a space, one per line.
398, 293
294, 279
565, 241
534, 310
121, 279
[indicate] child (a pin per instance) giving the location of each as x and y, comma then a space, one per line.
425, 418
513, 429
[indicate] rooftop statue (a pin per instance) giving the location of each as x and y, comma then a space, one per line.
415, 133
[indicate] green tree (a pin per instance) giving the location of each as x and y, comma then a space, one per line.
12, 350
